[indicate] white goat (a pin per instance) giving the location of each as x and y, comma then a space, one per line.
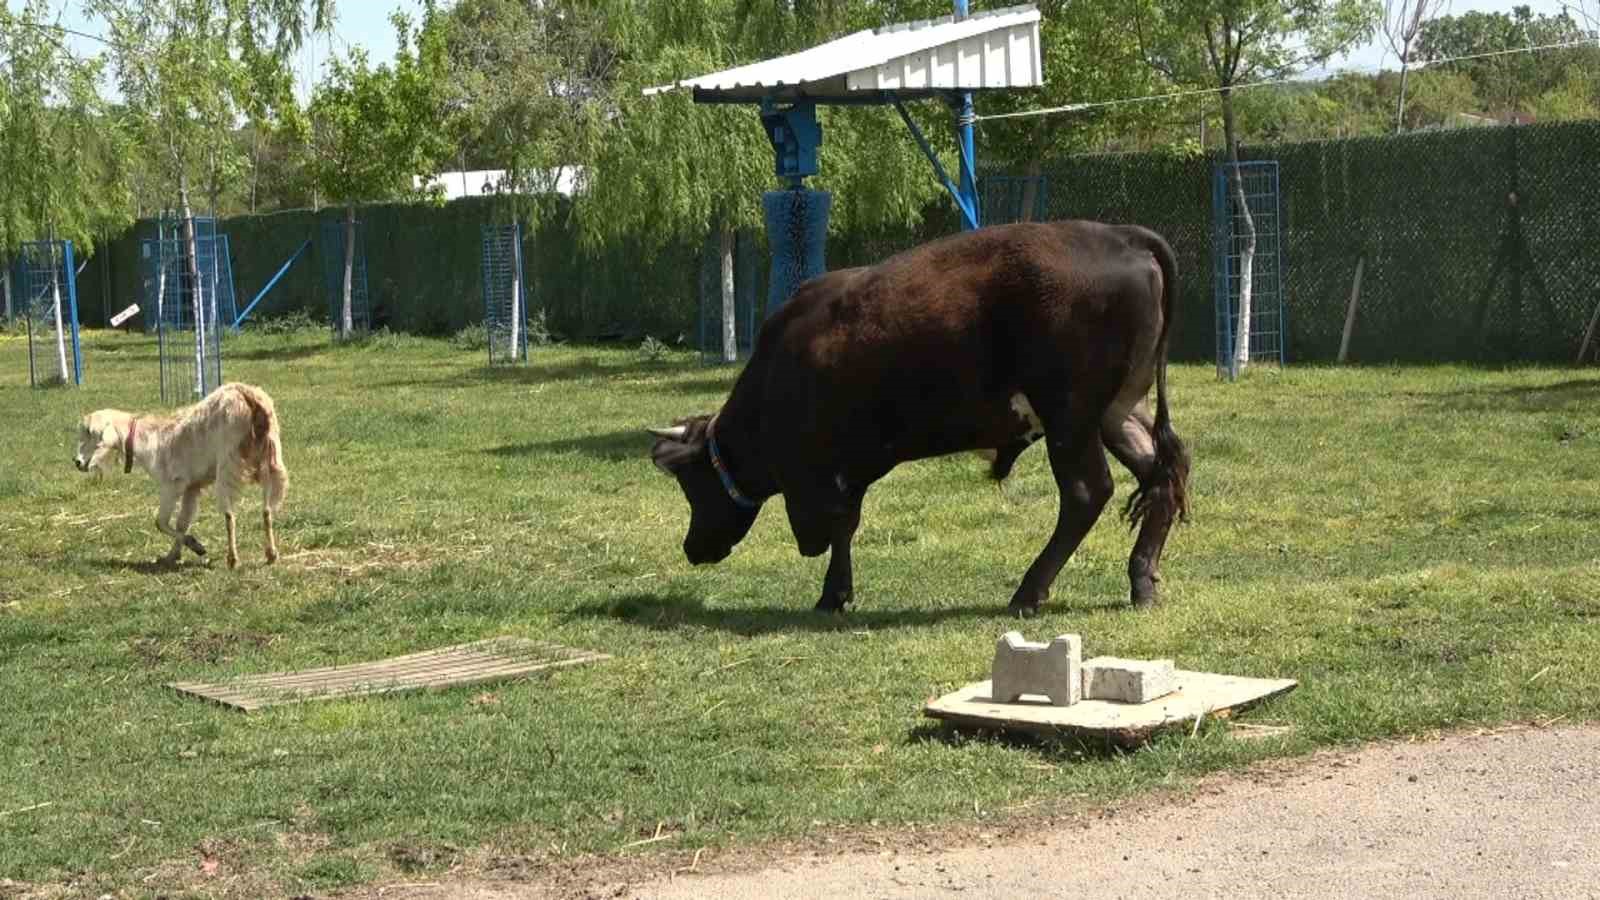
229, 437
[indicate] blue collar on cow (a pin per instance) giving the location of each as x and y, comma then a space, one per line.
737, 496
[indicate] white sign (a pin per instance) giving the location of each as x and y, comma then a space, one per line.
125, 315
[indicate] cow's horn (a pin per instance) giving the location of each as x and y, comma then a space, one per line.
675, 433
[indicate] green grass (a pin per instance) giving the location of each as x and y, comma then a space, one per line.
1417, 545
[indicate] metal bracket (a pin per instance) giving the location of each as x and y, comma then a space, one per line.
795, 135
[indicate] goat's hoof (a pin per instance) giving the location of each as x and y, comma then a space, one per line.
233, 561
1022, 610
272, 557
194, 544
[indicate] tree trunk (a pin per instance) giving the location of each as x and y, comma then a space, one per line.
255, 172
1400, 105
346, 322
55, 296
5, 277
1247, 256
517, 312
191, 264
730, 300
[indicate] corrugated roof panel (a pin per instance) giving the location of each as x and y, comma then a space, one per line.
996, 49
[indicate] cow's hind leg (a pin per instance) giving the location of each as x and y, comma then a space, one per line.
1078, 460
1132, 442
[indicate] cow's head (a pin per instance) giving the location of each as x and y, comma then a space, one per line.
717, 522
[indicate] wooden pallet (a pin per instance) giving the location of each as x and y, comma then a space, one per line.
481, 662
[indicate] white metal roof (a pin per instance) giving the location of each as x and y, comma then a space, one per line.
985, 51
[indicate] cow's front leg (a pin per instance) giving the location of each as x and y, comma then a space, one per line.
838, 586
1078, 461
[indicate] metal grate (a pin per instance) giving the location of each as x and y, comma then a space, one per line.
332, 249
749, 263
50, 305
1247, 239
505, 293
1005, 198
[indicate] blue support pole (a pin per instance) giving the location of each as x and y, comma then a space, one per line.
968, 174
969, 210
72, 296
270, 285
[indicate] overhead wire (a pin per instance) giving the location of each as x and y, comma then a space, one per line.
1277, 82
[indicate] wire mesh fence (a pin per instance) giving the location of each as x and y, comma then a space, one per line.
505, 304
336, 267
45, 277
1476, 244
726, 332
1247, 265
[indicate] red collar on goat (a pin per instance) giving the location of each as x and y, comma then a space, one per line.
127, 447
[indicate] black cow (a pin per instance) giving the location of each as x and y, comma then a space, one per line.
985, 341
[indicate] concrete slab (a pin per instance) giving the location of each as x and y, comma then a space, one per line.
1127, 724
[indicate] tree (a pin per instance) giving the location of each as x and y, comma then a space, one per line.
59, 149
1506, 83
376, 131
188, 71
1402, 23
1222, 44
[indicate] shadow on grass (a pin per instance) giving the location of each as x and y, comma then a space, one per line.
613, 446
1067, 746
149, 566
669, 612
278, 354
1540, 398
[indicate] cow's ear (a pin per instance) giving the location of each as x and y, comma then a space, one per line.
670, 456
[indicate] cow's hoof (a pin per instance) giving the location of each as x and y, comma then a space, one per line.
1144, 593
834, 603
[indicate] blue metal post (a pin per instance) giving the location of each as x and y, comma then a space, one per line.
969, 178
72, 298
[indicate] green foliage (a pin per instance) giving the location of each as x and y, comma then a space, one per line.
63, 155
374, 130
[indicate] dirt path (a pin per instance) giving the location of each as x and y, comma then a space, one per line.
1507, 814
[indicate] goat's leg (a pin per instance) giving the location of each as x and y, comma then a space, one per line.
169, 500
186, 513
226, 481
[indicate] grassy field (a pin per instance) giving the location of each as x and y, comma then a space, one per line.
1418, 546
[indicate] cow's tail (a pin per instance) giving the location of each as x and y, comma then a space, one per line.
263, 451
1167, 488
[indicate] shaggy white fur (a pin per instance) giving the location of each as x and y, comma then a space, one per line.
226, 439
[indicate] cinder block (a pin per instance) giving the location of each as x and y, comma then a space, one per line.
1050, 670
1128, 680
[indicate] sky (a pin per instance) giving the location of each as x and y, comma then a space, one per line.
365, 23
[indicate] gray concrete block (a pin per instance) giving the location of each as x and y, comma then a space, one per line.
1049, 670
1128, 680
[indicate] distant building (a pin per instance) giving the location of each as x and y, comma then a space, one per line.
484, 182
